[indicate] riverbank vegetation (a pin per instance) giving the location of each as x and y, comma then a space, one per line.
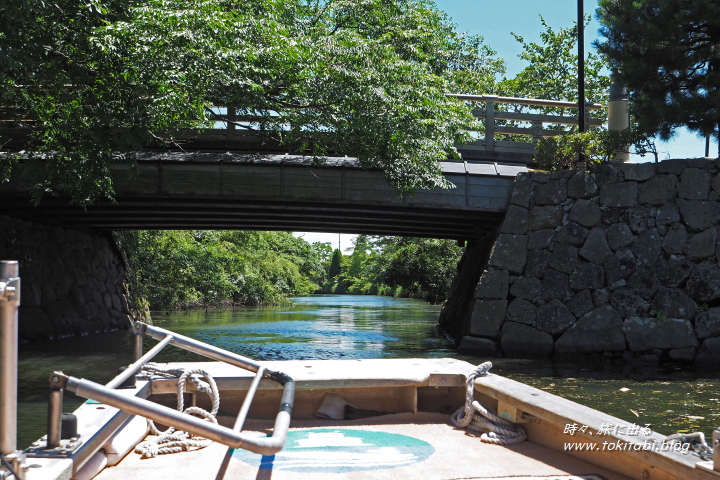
420, 268
181, 269
185, 269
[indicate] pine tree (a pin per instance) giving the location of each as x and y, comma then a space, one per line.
667, 53
335, 264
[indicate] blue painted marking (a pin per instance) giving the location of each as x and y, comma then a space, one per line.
332, 450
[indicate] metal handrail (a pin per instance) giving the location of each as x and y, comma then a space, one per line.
197, 426
195, 346
137, 366
240, 421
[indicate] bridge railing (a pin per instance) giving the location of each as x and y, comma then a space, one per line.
495, 122
501, 126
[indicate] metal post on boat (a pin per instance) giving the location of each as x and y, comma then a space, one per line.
9, 303
55, 404
138, 345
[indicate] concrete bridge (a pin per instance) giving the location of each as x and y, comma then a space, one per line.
242, 191
267, 191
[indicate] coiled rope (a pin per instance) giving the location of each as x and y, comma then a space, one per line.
172, 441
476, 417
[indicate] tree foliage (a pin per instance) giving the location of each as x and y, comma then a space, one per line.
335, 264
421, 267
552, 69
365, 78
596, 146
51, 74
176, 269
551, 73
667, 53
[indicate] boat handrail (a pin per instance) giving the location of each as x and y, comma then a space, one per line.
108, 395
196, 426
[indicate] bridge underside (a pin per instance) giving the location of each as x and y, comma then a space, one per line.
279, 192
211, 214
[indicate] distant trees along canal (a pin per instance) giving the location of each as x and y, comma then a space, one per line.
179, 269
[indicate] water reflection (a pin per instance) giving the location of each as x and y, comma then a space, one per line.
320, 327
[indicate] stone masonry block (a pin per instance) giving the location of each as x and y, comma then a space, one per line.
487, 317
509, 253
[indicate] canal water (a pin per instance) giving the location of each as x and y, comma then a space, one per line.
353, 327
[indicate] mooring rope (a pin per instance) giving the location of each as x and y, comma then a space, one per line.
172, 441
476, 417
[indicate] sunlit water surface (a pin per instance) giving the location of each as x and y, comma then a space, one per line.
352, 327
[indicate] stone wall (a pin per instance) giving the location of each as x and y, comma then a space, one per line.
621, 261
72, 283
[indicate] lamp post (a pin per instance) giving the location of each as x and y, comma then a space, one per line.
581, 65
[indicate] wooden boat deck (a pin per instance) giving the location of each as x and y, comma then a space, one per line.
439, 451
413, 439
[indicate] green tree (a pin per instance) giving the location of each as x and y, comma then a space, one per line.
418, 267
359, 256
551, 72
367, 79
323, 251
335, 264
667, 53
62, 98
356, 274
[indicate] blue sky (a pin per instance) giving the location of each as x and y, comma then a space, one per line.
495, 20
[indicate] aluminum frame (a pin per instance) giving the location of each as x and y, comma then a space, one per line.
230, 437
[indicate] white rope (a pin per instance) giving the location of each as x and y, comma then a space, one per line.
476, 417
172, 441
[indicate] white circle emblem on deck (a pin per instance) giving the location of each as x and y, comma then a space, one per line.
335, 450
